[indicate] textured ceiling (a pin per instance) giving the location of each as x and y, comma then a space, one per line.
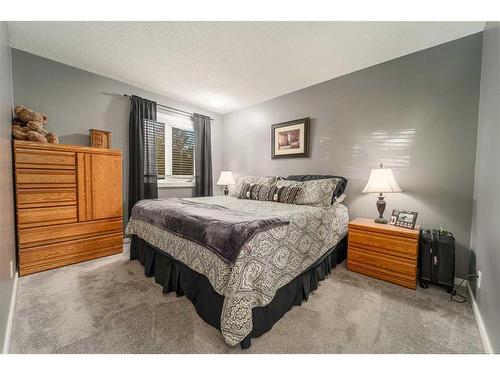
224, 66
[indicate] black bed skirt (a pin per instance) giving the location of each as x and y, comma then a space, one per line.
175, 276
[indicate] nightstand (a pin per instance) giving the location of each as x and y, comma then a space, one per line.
383, 251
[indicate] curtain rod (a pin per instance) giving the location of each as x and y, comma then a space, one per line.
171, 109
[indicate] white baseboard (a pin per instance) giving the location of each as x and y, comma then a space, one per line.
479, 321
8, 330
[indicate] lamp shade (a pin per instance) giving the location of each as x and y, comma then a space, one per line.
226, 178
381, 181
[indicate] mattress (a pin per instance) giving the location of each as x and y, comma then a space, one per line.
265, 263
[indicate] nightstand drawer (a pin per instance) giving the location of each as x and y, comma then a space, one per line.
385, 275
384, 243
383, 262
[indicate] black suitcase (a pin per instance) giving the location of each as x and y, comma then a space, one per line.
437, 259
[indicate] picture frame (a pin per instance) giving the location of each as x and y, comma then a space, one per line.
404, 218
100, 138
290, 139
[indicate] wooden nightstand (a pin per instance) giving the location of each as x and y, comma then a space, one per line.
383, 251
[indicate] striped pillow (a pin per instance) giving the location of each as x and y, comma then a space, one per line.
253, 191
245, 192
267, 181
283, 194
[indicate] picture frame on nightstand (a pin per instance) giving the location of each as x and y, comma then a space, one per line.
403, 218
392, 221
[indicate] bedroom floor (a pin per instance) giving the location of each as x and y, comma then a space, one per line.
109, 306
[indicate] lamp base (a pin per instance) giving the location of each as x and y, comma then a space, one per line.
226, 190
381, 208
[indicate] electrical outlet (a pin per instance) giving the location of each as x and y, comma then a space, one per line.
11, 269
478, 283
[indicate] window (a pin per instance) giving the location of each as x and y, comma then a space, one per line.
182, 152
175, 151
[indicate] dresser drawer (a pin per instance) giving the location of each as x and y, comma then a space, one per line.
29, 237
41, 159
35, 178
31, 198
383, 261
384, 243
44, 216
45, 257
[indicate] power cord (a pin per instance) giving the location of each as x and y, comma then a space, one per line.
454, 293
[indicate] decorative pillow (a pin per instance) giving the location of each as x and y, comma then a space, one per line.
246, 192
283, 194
267, 182
255, 191
309, 177
313, 193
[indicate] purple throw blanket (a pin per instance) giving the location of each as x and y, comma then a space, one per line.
220, 229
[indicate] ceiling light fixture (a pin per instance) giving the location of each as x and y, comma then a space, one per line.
216, 102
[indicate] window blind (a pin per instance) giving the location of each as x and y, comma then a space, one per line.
176, 157
153, 133
182, 152
160, 152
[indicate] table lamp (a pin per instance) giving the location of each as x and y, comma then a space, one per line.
226, 178
381, 181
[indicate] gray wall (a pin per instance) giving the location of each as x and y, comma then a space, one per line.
7, 240
76, 101
485, 242
417, 114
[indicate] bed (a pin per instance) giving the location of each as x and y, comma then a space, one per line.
274, 270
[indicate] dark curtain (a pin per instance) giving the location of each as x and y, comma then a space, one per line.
202, 156
142, 151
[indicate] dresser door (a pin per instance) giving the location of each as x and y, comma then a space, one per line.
99, 186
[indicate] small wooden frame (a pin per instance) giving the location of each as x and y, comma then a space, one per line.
100, 138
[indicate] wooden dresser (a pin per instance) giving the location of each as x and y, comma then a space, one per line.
383, 251
68, 204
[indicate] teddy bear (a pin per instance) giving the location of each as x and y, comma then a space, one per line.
18, 131
29, 125
26, 115
52, 137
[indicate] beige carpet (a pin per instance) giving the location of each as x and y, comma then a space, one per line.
109, 306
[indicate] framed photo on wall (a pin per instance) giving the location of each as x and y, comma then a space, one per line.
290, 139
